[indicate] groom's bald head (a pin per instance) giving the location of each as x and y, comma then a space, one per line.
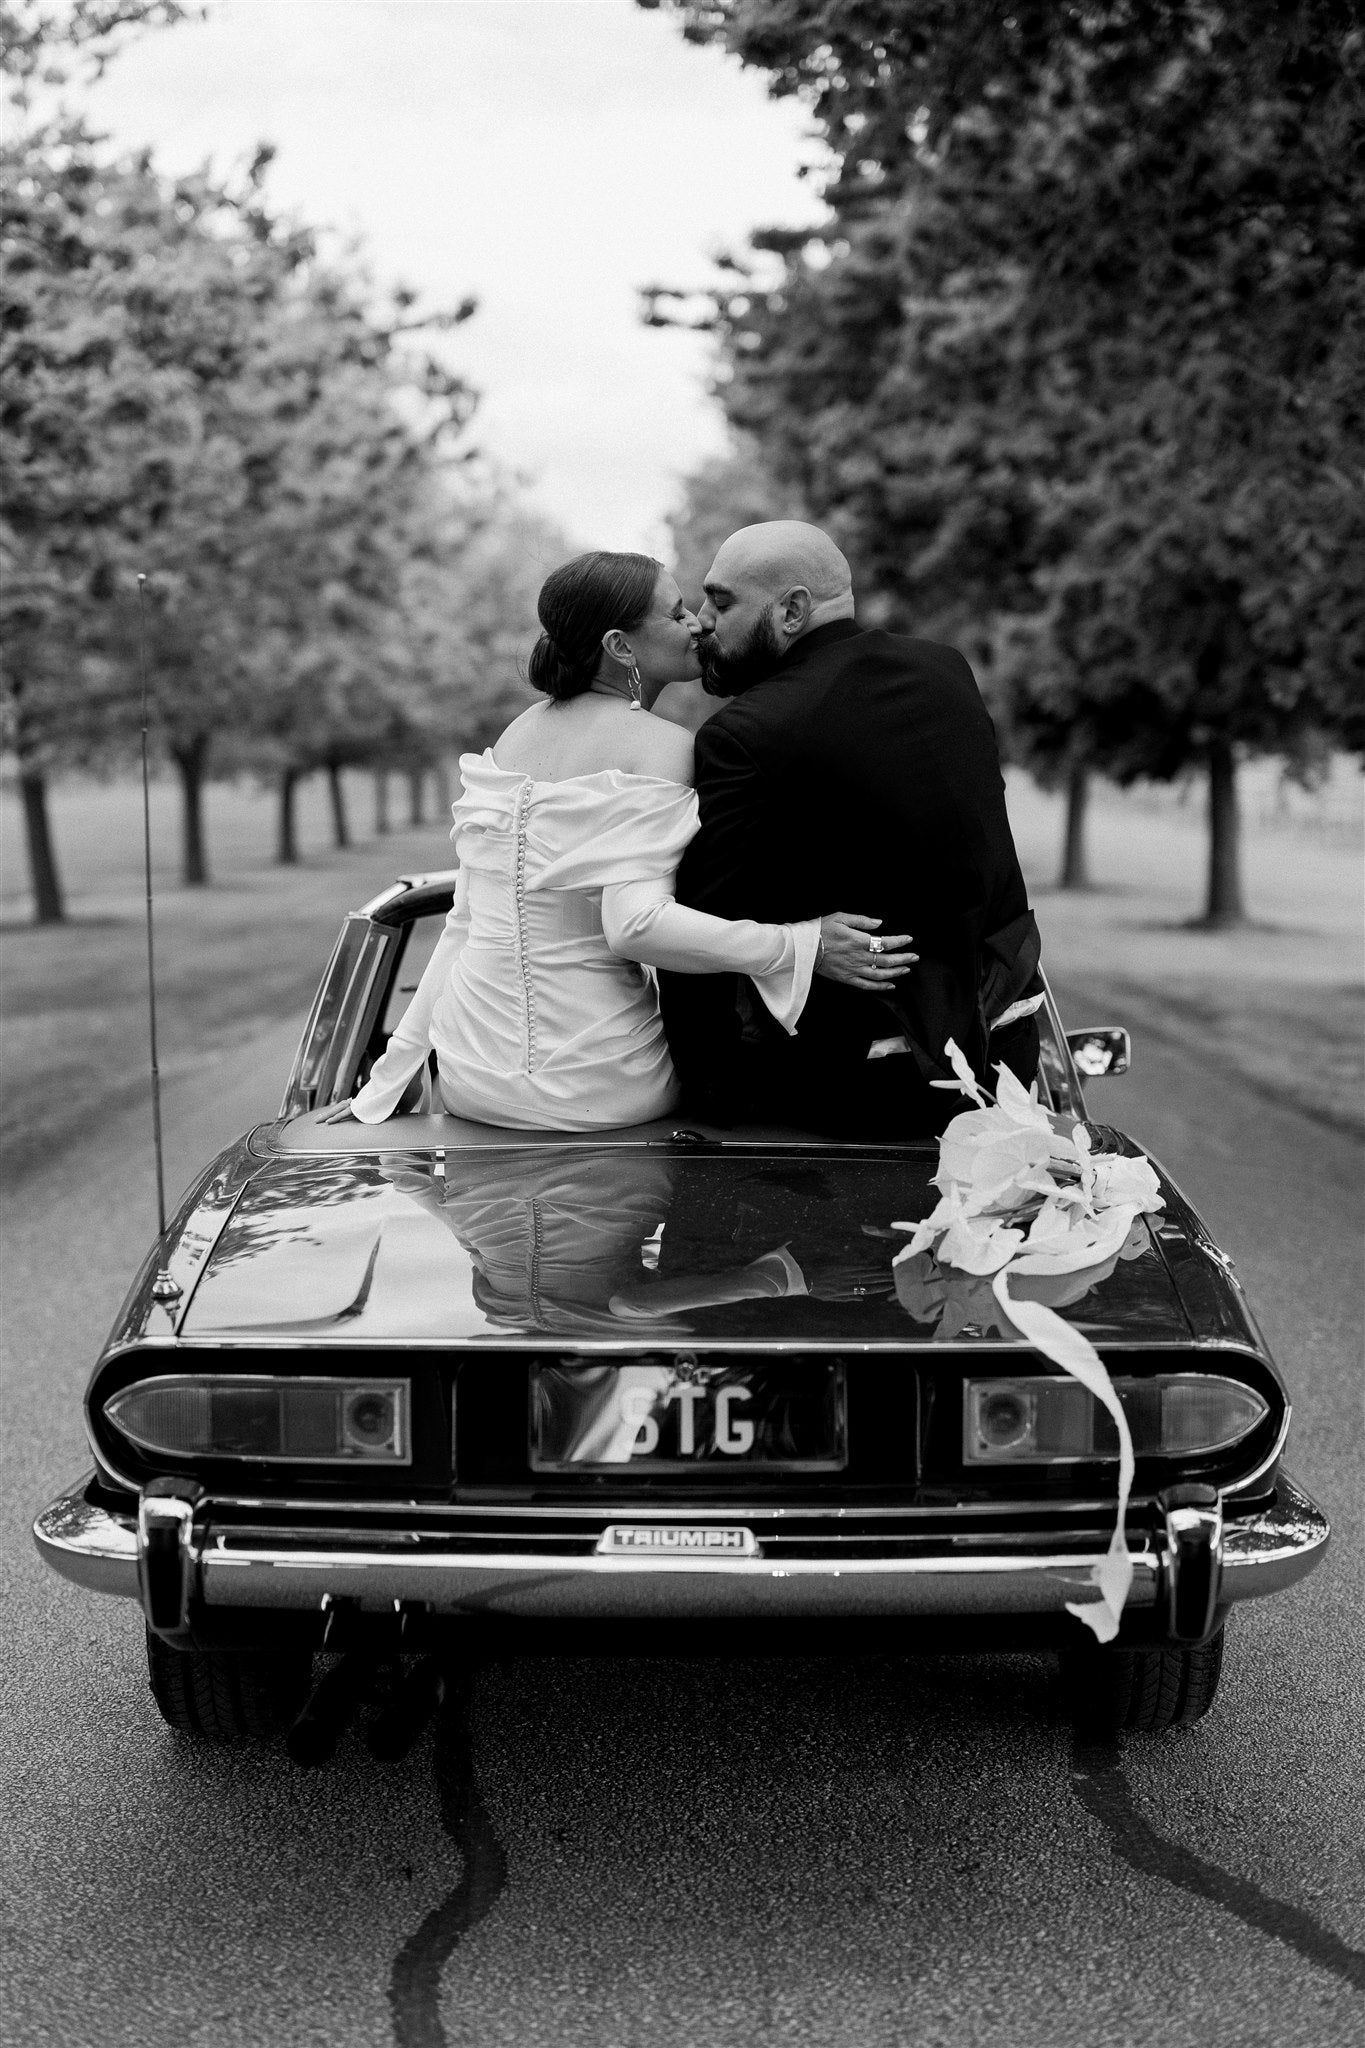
784, 554
768, 586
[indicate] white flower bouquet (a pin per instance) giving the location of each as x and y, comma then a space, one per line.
1021, 1195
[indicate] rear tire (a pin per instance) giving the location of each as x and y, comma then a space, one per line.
227, 1695
1146, 1690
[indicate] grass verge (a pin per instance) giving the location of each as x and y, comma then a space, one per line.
232, 959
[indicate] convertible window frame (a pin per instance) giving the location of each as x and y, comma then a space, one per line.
349, 998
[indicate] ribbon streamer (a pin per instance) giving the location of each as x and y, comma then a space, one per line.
1021, 1195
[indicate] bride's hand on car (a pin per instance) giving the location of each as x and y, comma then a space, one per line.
854, 950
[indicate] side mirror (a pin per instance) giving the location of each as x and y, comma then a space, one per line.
1106, 1049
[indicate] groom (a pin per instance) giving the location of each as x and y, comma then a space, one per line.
853, 770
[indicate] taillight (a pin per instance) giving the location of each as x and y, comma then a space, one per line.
1038, 1421
301, 1421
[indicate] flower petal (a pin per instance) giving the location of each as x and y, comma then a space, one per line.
979, 1245
967, 1080
1121, 1180
1018, 1103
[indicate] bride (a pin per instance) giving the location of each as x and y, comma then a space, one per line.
536, 1000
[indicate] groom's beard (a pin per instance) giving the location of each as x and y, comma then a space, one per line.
729, 675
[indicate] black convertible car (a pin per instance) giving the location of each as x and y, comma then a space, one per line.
391, 1396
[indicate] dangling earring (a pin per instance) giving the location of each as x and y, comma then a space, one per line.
637, 687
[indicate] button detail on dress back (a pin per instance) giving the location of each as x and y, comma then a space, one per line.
519, 824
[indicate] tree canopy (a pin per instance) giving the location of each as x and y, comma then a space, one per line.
1075, 369
43, 41
196, 392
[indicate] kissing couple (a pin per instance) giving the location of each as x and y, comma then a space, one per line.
690, 791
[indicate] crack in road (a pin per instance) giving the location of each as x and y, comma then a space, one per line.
415, 1979
1098, 1782
1097, 1779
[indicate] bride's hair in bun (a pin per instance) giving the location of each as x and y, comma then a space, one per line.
578, 604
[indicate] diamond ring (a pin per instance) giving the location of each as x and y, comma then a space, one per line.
874, 945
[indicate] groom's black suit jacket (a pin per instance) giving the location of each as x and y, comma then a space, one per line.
862, 775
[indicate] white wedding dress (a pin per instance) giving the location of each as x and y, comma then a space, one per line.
536, 999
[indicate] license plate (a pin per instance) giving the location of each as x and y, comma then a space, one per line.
785, 1415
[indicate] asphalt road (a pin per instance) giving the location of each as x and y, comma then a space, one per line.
889, 1852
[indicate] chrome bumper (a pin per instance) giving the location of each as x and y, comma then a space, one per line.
277, 1568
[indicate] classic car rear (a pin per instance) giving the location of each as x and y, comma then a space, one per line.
433, 1390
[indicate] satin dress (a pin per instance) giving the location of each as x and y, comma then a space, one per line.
537, 1000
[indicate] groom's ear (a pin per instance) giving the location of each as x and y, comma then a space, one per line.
794, 610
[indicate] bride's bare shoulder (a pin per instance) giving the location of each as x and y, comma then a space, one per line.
664, 749
637, 744
555, 743
521, 745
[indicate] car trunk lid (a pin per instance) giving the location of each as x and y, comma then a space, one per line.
615, 1245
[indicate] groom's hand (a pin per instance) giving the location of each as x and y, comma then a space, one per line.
851, 951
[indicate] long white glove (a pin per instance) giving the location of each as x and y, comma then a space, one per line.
410, 1041
641, 921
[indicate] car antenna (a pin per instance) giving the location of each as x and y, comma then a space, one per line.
151, 944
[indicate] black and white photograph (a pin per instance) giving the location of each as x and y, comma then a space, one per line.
682, 1023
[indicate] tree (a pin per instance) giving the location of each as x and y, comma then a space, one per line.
74, 382
1219, 608
359, 487
478, 620
720, 496
70, 459
341, 438
1050, 358
42, 43
193, 392
151, 308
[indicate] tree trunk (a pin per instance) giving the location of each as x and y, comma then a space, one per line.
191, 760
440, 776
416, 789
1225, 905
336, 791
381, 802
49, 906
287, 838
1075, 871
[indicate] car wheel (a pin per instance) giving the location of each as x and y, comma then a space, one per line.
227, 1695
1147, 1690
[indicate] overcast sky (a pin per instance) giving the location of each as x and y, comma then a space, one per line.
548, 156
